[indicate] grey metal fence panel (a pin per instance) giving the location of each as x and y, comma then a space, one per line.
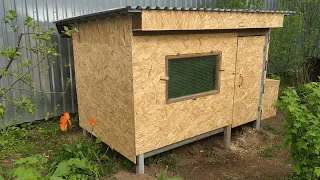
45, 12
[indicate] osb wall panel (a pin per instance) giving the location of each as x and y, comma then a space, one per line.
194, 20
248, 79
270, 97
159, 124
103, 72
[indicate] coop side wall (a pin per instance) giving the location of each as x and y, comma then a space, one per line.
103, 71
159, 124
270, 97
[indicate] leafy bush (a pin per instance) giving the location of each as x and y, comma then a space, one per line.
163, 175
302, 127
12, 136
75, 168
27, 168
84, 150
81, 149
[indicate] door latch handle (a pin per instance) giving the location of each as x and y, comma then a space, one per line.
241, 80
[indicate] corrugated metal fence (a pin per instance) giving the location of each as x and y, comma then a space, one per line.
45, 12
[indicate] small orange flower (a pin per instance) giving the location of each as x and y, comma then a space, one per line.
63, 126
70, 122
93, 122
112, 147
66, 115
63, 120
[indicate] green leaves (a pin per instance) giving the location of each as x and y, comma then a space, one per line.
28, 78
301, 126
27, 168
2, 110
10, 53
33, 160
24, 103
317, 171
30, 22
23, 173
301, 144
11, 15
75, 168
68, 31
163, 176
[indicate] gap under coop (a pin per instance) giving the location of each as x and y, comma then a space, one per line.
158, 78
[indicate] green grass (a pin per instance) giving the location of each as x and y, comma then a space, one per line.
277, 146
229, 177
1, 170
45, 138
165, 159
126, 164
266, 153
209, 153
267, 127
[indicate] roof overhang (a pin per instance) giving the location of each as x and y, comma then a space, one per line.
173, 18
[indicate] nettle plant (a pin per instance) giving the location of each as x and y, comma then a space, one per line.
302, 128
44, 46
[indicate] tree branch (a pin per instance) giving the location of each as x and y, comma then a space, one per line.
14, 82
17, 48
11, 60
44, 92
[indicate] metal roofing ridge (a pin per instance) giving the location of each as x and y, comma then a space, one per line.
139, 8
208, 9
92, 14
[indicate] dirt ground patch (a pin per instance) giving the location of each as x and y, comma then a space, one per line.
253, 155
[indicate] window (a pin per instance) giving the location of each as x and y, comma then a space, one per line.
192, 76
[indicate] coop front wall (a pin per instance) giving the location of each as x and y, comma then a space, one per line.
103, 71
200, 20
159, 124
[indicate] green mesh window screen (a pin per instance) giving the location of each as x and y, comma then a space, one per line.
192, 75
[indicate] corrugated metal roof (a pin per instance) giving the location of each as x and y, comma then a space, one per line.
137, 9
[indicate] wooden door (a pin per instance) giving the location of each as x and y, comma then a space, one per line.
248, 78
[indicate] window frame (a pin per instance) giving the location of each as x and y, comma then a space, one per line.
194, 96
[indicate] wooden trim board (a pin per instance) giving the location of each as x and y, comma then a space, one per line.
194, 20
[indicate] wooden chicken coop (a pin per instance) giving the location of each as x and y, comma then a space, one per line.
158, 78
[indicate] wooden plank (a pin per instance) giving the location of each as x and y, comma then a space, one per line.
194, 20
103, 69
270, 97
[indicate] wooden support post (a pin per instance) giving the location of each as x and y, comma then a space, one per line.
227, 137
85, 133
140, 164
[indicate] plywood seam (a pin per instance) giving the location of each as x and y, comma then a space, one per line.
133, 96
235, 77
